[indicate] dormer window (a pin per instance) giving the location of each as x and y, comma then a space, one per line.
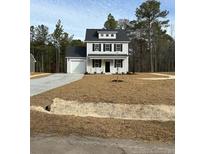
107, 34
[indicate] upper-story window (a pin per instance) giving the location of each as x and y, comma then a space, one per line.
107, 47
96, 47
112, 35
107, 35
117, 47
102, 34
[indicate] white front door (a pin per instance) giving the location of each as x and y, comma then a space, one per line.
77, 66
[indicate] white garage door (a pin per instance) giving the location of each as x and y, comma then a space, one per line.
78, 66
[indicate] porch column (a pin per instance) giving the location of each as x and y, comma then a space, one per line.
113, 66
103, 65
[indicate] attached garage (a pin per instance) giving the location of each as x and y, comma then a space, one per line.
76, 60
76, 65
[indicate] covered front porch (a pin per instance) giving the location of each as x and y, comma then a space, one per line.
108, 65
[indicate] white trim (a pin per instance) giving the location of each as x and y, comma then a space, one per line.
95, 57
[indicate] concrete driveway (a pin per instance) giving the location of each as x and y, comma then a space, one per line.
46, 144
44, 84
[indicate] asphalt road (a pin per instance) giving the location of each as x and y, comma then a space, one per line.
44, 84
47, 144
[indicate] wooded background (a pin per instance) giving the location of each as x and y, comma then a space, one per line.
151, 49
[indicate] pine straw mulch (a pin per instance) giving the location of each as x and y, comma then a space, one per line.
154, 131
100, 88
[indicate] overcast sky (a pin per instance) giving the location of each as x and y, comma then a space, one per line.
77, 15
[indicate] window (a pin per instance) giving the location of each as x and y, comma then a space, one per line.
102, 35
107, 47
118, 47
96, 62
107, 35
112, 35
96, 47
118, 63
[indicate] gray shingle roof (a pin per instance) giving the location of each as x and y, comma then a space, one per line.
76, 52
92, 35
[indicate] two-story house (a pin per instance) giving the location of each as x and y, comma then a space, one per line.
106, 51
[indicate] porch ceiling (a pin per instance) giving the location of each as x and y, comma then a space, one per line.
107, 56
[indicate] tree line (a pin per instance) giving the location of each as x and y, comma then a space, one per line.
151, 49
49, 48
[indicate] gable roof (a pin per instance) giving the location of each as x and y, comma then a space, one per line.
76, 51
92, 35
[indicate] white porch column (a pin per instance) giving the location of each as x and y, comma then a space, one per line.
113, 67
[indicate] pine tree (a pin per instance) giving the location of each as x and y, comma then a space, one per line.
149, 14
111, 23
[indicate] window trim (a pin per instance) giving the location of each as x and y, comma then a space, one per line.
94, 46
97, 63
118, 47
118, 63
110, 47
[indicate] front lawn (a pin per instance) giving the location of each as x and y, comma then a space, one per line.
100, 88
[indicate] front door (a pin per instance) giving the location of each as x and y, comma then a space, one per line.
107, 67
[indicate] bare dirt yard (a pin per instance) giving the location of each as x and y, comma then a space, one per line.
100, 88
